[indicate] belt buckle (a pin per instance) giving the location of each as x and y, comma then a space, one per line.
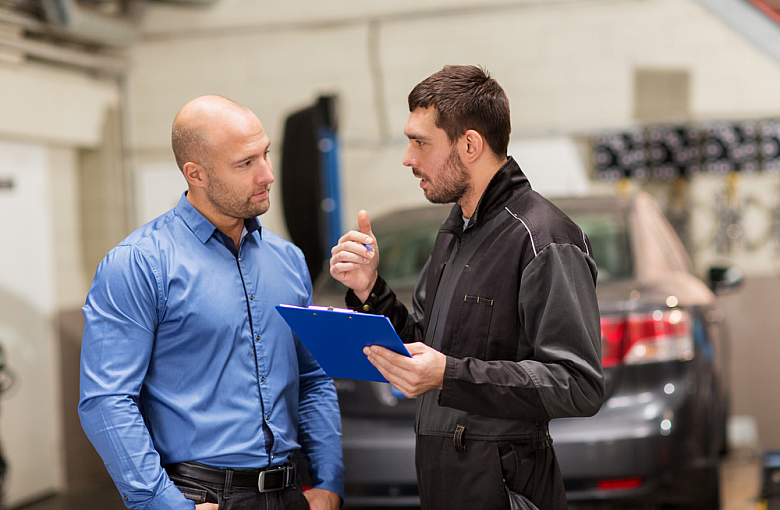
261, 479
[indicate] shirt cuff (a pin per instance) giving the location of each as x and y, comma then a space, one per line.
332, 479
170, 498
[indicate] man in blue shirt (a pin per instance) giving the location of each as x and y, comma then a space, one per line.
194, 390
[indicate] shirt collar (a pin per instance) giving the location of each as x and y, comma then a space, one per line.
201, 226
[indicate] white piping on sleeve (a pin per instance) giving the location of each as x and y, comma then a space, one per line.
518, 218
585, 244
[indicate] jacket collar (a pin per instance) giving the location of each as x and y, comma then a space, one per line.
508, 182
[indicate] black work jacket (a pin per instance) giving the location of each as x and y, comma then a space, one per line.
511, 300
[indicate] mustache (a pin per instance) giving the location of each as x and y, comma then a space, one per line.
419, 174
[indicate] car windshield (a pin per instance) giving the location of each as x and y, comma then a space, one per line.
404, 253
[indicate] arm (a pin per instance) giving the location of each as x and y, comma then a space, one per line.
559, 311
319, 429
355, 266
120, 321
319, 425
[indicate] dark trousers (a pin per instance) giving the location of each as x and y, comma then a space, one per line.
474, 479
240, 498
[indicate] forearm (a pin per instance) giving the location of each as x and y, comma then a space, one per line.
117, 431
499, 389
526, 390
319, 432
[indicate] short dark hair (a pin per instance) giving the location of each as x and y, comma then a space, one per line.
466, 97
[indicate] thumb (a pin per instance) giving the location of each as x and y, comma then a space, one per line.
364, 224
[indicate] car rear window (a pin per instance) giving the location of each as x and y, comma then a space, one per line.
610, 242
404, 249
404, 253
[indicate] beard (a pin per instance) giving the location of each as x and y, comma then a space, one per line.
452, 182
229, 201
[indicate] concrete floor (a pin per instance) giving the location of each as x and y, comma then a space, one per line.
740, 486
740, 479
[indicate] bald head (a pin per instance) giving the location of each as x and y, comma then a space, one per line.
193, 128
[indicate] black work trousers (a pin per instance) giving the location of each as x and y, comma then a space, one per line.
474, 479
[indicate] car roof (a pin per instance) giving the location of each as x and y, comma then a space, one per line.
593, 203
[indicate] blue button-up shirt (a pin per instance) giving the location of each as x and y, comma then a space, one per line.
184, 358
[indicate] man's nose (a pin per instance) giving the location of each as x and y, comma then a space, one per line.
409, 159
265, 173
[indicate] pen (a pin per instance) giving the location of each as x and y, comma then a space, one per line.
369, 247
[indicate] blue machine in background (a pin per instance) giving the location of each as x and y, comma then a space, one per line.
331, 186
310, 181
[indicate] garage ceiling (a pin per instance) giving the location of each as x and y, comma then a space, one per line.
90, 35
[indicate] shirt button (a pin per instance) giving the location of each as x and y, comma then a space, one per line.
262, 379
251, 298
366, 308
239, 259
257, 337
267, 417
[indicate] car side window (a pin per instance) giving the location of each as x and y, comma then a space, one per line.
670, 245
610, 243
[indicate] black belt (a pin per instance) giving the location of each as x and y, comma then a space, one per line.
265, 480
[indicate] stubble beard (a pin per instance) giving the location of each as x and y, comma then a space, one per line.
453, 181
229, 203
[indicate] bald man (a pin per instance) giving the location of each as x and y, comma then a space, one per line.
194, 391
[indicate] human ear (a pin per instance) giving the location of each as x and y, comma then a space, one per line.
194, 173
474, 144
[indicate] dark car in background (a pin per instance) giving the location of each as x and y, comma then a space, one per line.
660, 433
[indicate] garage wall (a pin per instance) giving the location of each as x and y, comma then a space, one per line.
568, 68
50, 116
30, 428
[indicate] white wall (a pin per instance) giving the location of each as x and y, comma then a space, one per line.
48, 114
72, 283
30, 428
567, 67
57, 106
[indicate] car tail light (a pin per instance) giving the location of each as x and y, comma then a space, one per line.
619, 484
646, 338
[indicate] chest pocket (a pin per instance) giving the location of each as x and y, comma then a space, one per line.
473, 328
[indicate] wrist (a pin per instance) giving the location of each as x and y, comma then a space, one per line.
363, 295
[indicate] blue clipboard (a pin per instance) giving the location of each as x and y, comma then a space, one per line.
336, 337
